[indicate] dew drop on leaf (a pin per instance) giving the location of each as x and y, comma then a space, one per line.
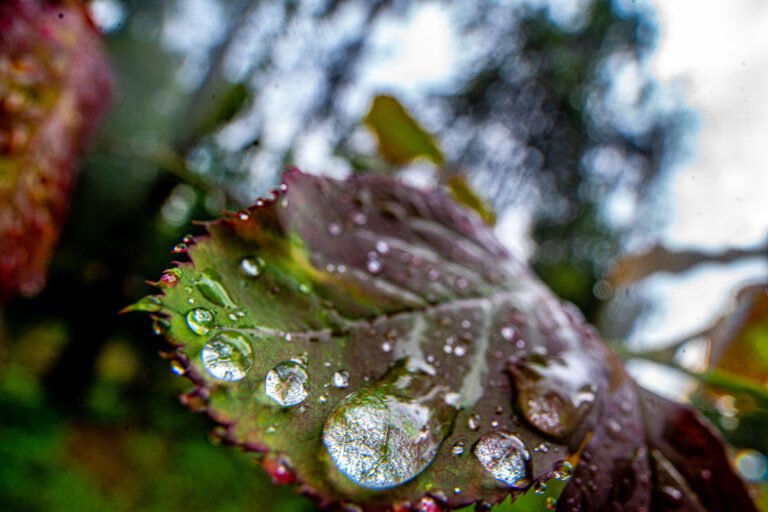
212, 289
473, 422
252, 266
458, 449
334, 229
227, 356
341, 379
287, 383
553, 396
506, 457
385, 435
374, 266
199, 321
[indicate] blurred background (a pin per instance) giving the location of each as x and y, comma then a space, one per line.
614, 144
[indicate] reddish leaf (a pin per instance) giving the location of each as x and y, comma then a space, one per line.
385, 350
54, 86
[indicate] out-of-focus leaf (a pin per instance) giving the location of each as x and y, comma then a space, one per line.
382, 348
463, 193
54, 86
740, 340
401, 138
635, 267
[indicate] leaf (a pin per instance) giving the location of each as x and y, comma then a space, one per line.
54, 86
463, 193
379, 346
401, 138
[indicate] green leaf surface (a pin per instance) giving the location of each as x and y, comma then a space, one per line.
54, 86
401, 138
382, 348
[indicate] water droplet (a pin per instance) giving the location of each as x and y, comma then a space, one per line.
227, 356
252, 266
428, 504
551, 503
672, 494
386, 434
171, 278
459, 350
211, 288
359, 218
304, 288
341, 379
199, 321
323, 398
374, 266
160, 326
564, 471
466, 324
243, 216
552, 394
149, 304
177, 367
334, 229
457, 490
287, 383
540, 488
494, 424
473, 422
458, 449
543, 447
506, 457
433, 274
279, 470
179, 248
508, 333
382, 247
386, 346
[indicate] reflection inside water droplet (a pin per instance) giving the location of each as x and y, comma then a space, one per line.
199, 321
227, 356
287, 383
506, 457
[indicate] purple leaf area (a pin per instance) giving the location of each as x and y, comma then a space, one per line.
374, 343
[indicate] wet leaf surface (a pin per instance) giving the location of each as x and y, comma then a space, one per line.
383, 348
54, 86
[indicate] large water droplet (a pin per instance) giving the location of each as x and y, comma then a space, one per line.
252, 266
553, 395
384, 435
227, 356
506, 457
287, 383
211, 288
199, 321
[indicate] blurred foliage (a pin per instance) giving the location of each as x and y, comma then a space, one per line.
207, 112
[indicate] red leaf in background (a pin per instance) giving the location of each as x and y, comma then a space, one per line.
55, 84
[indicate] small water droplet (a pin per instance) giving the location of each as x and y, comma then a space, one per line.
341, 379
458, 448
374, 266
160, 326
179, 248
323, 398
252, 266
459, 350
494, 424
466, 324
506, 457
287, 383
473, 422
382, 247
243, 216
304, 288
386, 346
551, 503
171, 278
564, 471
271, 429
359, 218
540, 488
227, 356
334, 229
199, 321
177, 367
433, 274
279, 470
457, 490
508, 333
543, 447
428, 504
